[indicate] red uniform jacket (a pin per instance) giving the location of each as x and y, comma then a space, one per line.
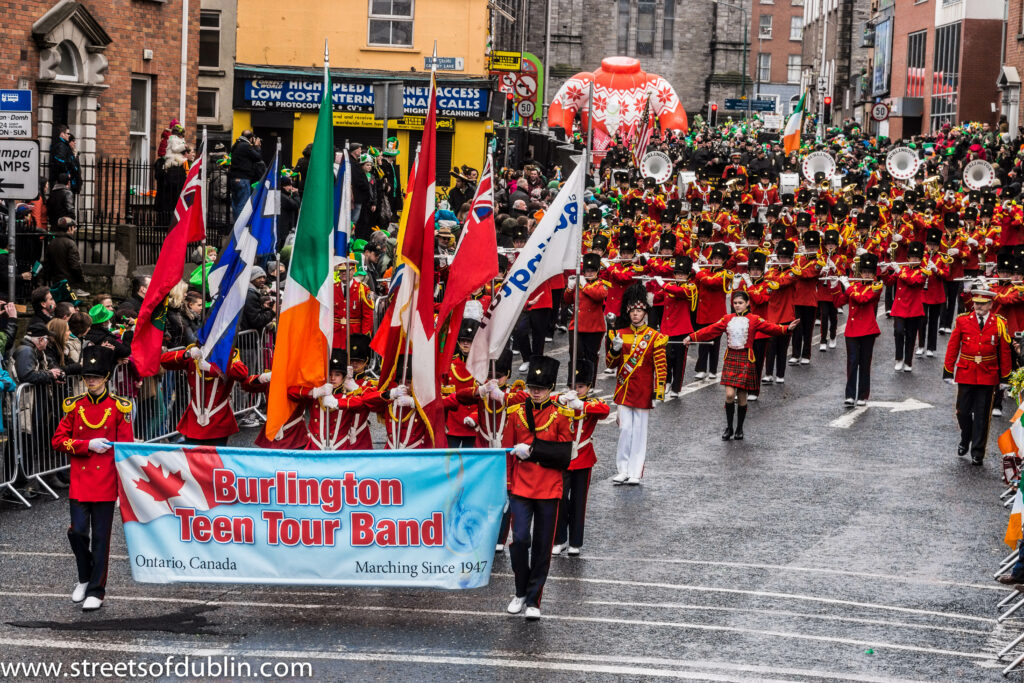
93, 475
1010, 302
978, 356
934, 284
862, 320
553, 423
806, 269
360, 312
757, 326
456, 378
680, 299
618, 276
403, 426
764, 195
780, 300
294, 436
592, 298
492, 416
909, 298
583, 424
712, 286
346, 428
641, 366
209, 414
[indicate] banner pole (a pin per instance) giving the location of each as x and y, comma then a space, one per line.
351, 276
202, 209
277, 254
579, 239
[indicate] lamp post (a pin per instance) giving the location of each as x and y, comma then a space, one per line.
746, 27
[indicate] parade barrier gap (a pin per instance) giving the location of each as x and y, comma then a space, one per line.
31, 414
423, 518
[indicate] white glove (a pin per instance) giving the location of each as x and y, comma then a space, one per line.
567, 397
469, 422
988, 241
952, 251
736, 280
617, 344
330, 402
521, 451
398, 392
571, 282
845, 280
931, 268
861, 251
497, 395
746, 278
99, 445
321, 391
575, 404
896, 237
483, 390
350, 384
949, 380
716, 227
204, 366
405, 401
659, 280
264, 378
195, 353
583, 281
972, 242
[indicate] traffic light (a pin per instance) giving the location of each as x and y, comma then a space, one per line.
826, 114
713, 114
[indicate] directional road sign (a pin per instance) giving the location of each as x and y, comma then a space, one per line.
19, 169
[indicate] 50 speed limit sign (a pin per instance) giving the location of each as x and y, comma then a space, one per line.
880, 112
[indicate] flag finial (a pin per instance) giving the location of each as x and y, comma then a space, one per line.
327, 53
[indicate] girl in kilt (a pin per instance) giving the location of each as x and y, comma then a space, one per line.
739, 376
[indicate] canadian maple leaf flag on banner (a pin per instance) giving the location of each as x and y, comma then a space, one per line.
154, 485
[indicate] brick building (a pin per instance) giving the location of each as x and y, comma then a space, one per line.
936, 62
777, 56
835, 53
1013, 67
111, 69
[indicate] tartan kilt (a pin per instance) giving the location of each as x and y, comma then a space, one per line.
738, 371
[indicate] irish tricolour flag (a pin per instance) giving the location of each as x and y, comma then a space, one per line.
791, 136
307, 306
1010, 443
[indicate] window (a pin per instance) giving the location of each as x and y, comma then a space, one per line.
945, 75
793, 68
793, 102
623, 27
767, 2
67, 69
764, 67
915, 63
669, 25
796, 28
645, 28
390, 23
206, 104
798, 3
139, 124
209, 39
766, 26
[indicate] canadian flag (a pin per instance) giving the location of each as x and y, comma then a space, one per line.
154, 485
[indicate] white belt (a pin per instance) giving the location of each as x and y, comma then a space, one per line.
203, 415
291, 424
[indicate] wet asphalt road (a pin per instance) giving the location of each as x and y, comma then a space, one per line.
806, 552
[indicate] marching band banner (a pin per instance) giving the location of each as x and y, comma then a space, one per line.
352, 518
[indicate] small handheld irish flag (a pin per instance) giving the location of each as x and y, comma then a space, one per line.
791, 135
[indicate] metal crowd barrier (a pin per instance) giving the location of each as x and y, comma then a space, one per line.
8, 451
251, 351
37, 410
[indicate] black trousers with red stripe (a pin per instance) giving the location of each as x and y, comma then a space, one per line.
572, 509
533, 533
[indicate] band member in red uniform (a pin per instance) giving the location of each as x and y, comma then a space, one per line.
834, 266
359, 319
460, 424
934, 293
861, 328
92, 423
541, 430
587, 412
978, 360
592, 293
637, 352
739, 374
404, 427
805, 296
779, 286
908, 304
765, 193
680, 300
712, 285
209, 420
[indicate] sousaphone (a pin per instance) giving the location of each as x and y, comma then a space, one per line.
818, 162
902, 163
657, 165
978, 174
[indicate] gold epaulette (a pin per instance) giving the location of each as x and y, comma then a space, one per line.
516, 408
70, 402
566, 412
123, 404
518, 385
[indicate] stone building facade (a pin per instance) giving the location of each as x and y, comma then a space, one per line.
835, 50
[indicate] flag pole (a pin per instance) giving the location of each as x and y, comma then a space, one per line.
351, 276
579, 239
202, 211
277, 254
327, 62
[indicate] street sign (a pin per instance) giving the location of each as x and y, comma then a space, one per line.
526, 85
526, 108
880, 112
822, 84
772, 121
444, 63
506, 61
758, 105
507, 88
19, 169
15, 113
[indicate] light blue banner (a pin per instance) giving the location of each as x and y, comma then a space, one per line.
355, 518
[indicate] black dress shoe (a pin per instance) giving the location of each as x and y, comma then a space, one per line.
961, 450
727, 434
977, 460
738, 436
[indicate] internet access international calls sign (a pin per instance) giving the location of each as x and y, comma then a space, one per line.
15, 113
357, 518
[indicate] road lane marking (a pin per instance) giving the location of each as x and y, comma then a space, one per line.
846, 420
551, 661
766, 594
501, 614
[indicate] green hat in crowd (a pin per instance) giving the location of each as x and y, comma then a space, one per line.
391, 147
100, 314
